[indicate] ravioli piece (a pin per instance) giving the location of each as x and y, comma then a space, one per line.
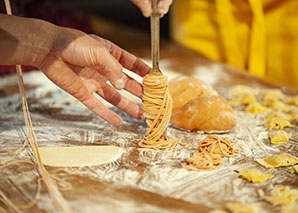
279, 160
254, 175
256, 108
279, 115
242, 89
278, 120
295, 169
294, 114
277, 105
293, 100
278, 123
280, 137
282, 196
273, 94
243, 99
241, 208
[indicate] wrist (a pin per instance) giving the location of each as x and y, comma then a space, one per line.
25, 41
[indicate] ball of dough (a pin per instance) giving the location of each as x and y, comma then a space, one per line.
185, 88
206, 113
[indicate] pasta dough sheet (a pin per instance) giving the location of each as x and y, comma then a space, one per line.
79, 155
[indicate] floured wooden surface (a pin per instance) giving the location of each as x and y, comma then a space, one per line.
141, 180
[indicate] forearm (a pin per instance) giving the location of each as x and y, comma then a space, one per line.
24, 41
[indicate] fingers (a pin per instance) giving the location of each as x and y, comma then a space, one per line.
146, 6
163, 6
126, 59
85, 51
111, 95
63, 76
133, 87
110, 66
102, 111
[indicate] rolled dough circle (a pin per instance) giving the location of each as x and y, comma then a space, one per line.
79, 155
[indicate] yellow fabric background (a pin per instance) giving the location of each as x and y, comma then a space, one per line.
255, 35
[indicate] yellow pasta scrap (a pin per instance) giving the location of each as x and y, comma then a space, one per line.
273, 94
279, 160
242, 89
294, 114
295, 169
277, 105
256, 108
280, 115
278, 120
282, 196
254, 175
293, 100
236, 207
280, 137
243, 99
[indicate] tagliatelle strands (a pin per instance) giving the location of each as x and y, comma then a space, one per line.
217, 145
211, 149
157, 106
203, 162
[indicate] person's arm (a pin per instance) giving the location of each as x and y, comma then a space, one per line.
146, 6
80, 64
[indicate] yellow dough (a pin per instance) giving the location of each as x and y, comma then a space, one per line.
185, 88
206, 113
280, 137
256, 108
279, 160
254, 175
79, 155
282, 196
241, 208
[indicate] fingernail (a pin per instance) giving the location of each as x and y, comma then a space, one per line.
141, 113
142, 116
116, 121
120, 83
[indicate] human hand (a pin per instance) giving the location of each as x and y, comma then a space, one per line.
146, 6
82, 64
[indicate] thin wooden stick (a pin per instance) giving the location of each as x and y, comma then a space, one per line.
58, 200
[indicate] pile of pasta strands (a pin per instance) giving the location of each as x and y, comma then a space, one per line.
157, 106
211, 150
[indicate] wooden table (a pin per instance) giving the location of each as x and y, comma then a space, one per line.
141, 180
